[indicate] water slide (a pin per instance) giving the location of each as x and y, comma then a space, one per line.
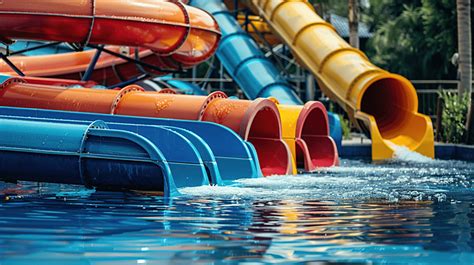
108, 70
190, 154
196, 162
255, 121
382, 104
171, 35
69, 65
233, 160
305, 128
85, 154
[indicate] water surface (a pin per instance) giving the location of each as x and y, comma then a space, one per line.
358, 213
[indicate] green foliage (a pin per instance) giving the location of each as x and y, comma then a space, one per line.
338, 7
453, 116
346, 127
413, 38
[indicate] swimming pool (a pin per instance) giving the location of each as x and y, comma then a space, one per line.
357, 213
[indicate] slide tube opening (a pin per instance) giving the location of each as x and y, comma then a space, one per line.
264, 132
391, 100
314, 146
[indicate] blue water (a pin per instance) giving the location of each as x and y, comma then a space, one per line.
394, 213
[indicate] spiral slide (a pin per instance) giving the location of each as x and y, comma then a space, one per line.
193, 153
305, 128
109, 69
382, 104
170, 35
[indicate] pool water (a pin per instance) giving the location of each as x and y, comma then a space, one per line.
399, 212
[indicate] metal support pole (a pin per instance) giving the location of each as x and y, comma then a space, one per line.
310, 90
221, 74
91, 67
129, 82
236, 7
128, 59
35, 48
194, 73
12, 65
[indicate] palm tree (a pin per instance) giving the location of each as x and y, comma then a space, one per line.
354, 23
465, 58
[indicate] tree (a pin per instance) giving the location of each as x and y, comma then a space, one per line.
413, 38
464, 45
338, 7
463, 8
354, 23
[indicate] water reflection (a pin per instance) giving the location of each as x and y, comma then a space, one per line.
54, 223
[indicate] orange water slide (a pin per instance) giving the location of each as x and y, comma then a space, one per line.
170, 34
109, 69
256, 121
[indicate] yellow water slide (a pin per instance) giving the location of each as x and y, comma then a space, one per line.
382, 104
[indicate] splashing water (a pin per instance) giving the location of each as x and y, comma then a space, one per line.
404, 154
358, 213
354, 181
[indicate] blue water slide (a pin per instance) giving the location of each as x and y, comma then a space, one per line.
182, 156
205, 151
234, 157
48, 50
89, 154
187, 87
248, 66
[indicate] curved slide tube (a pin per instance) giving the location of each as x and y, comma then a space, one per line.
382, 104
169, 28
24, 45
67, 66
306, 131
257, 77
256, 121
229, 161
183, 157
169, 52
58, 82
109, 70
86, 154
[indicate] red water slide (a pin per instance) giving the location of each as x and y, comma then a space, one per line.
178, 35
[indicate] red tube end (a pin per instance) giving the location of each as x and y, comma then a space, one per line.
314, 147
262, 127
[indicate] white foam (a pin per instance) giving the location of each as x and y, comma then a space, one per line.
236, 192
355, 180
404, 154
393, 186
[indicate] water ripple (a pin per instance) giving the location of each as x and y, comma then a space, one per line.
357, 213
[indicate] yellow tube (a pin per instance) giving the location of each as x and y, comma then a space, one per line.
382, 104
261, 27
305, 130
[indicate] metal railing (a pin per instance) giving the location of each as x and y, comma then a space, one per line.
428, 94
